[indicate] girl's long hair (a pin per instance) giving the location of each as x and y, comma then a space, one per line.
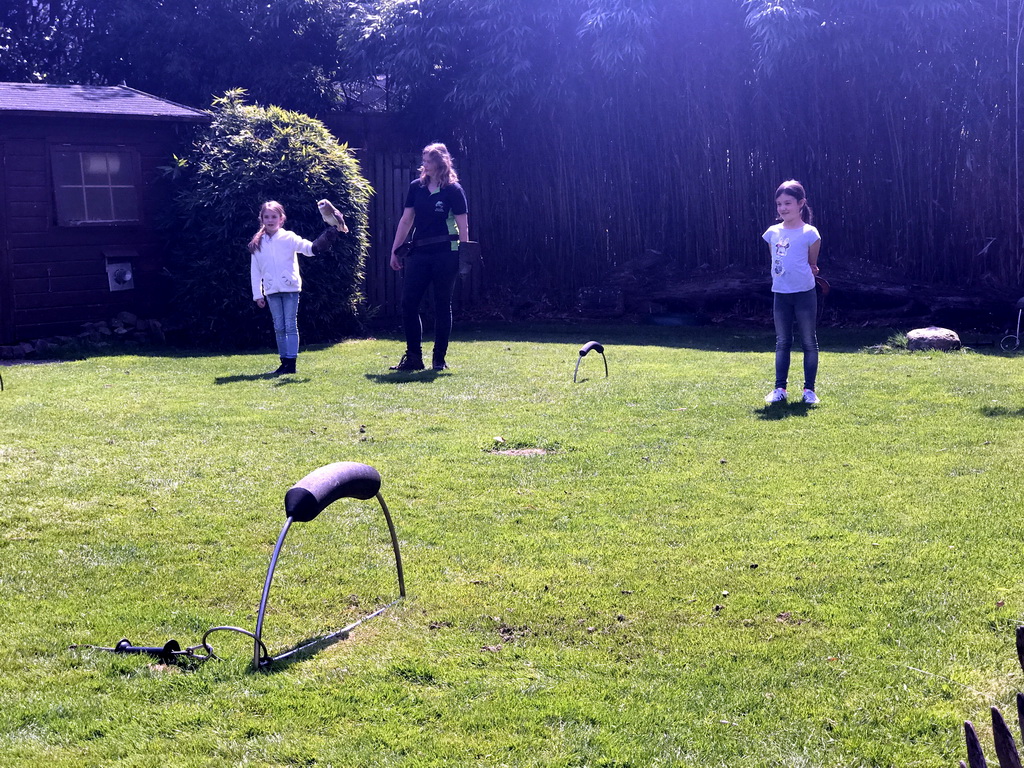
794, 188
439, 154
254, 244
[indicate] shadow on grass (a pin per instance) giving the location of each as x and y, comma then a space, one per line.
310, 646
998, 411
715, 338
778, 411
404, 377
244, 377
712, 338
282, 379
305, 650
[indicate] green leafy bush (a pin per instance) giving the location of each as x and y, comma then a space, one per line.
250, 154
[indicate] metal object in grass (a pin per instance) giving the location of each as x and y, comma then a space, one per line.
170, 653
590, 346
1006, 748
303, 502
1011, 341
1002, 738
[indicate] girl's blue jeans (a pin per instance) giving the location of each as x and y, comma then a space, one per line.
284, 308
801, 308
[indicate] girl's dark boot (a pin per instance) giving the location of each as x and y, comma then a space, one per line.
289, 364
282, 368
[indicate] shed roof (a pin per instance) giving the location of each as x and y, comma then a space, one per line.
91, 101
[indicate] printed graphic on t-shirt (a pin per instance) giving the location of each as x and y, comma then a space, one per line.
439, 206
780, 251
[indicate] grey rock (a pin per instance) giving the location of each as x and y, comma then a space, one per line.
933, 337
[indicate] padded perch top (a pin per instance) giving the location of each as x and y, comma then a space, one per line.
322, 487
591, 345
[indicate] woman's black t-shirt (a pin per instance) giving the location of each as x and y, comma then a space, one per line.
435, 214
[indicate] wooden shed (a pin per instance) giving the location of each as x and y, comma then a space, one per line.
80, 195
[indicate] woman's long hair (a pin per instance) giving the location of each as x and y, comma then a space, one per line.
254, 244
446, 175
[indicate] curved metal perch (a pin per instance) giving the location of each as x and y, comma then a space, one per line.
586, 348
303, 502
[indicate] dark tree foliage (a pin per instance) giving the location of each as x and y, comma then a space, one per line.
247, 156
283, 52
43, 40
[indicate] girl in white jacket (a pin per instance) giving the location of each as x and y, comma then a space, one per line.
275, 276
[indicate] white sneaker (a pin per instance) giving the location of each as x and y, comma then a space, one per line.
810, 398
775, 396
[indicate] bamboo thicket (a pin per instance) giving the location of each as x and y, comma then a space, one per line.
902, 120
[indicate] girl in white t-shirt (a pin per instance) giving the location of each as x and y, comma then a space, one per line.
794, 246
274, 273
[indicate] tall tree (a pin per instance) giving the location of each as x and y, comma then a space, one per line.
665, 124
45, 39
284, 52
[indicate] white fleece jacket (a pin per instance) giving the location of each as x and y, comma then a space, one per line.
275, 265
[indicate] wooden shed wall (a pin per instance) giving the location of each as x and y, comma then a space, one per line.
53, 278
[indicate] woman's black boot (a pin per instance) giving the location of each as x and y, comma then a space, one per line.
409, 362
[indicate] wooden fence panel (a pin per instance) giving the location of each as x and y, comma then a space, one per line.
390, 173
6, 283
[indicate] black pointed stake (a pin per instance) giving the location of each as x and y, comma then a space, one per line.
975, 757
1020, 713
1020, 646
588, 347
1006, 748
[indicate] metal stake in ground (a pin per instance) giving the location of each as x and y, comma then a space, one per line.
586, 348
1011, 341
303, 502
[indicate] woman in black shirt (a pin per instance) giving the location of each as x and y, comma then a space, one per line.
435, 208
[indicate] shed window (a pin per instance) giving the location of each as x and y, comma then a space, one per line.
95, 187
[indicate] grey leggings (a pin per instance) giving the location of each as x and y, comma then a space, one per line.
802, 308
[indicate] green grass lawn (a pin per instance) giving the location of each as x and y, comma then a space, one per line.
685, 577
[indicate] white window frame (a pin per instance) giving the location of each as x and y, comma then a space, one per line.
118, 164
